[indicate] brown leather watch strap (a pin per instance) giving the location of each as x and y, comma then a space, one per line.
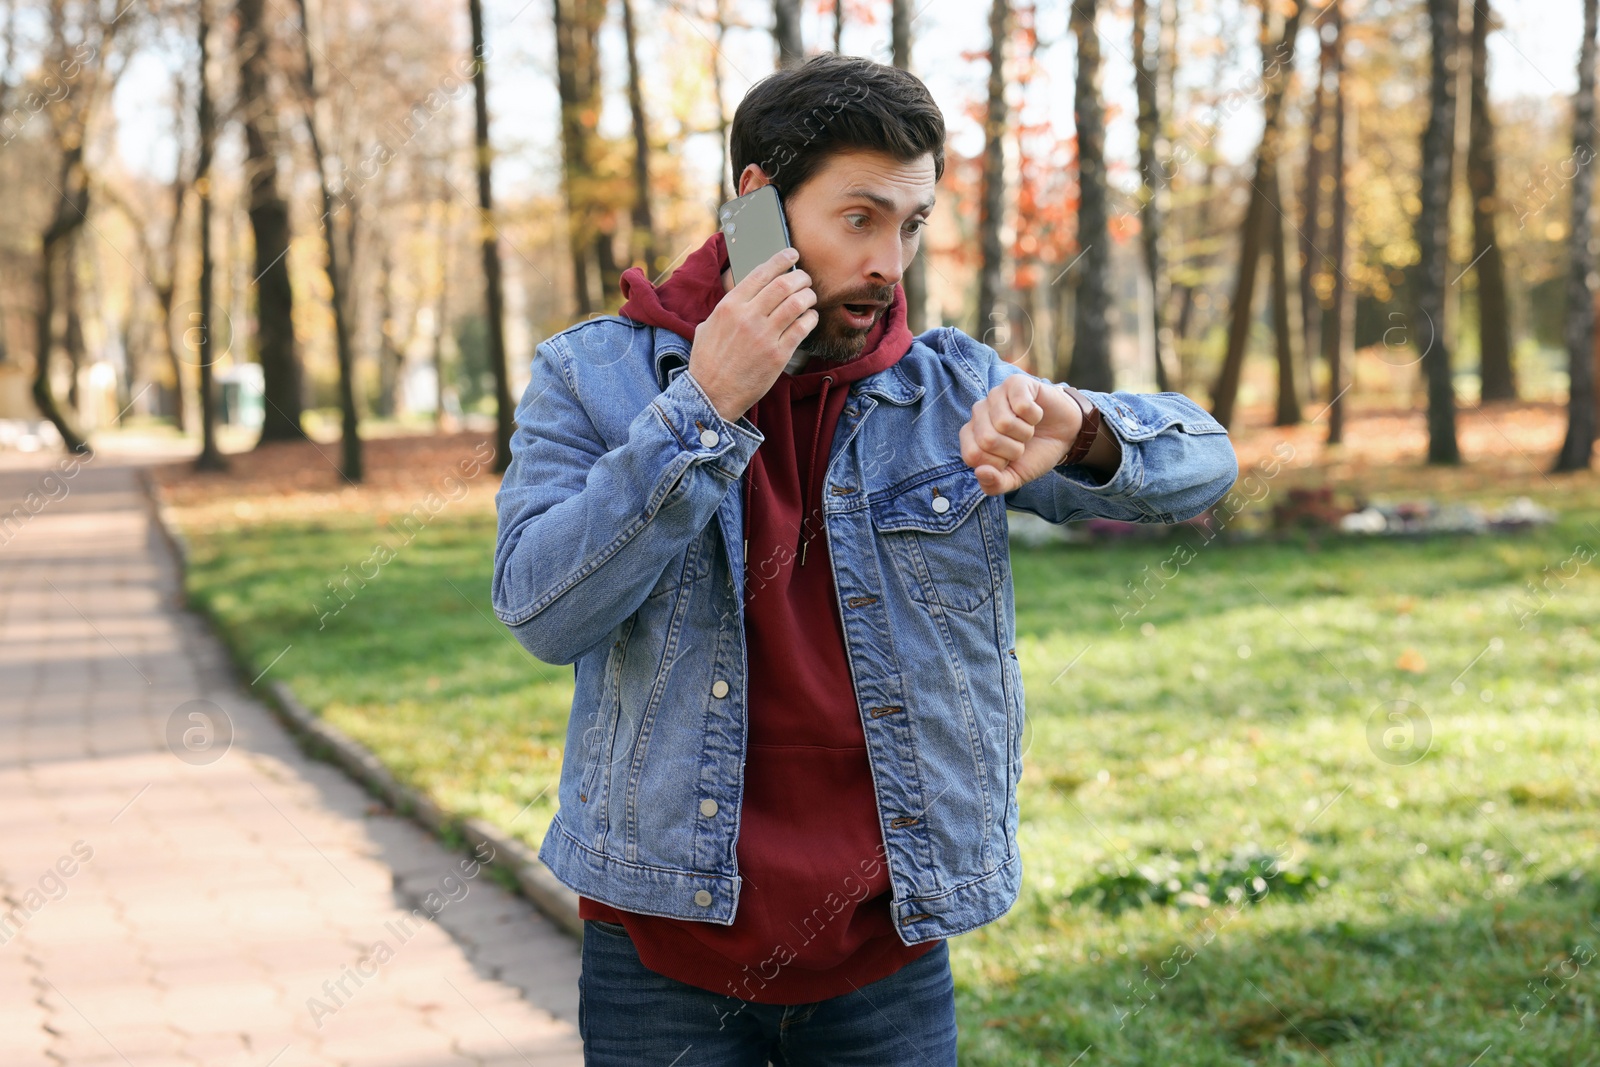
1086, 432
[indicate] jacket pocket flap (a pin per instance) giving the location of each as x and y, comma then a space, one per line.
935, 501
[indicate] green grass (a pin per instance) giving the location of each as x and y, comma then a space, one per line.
1392, 910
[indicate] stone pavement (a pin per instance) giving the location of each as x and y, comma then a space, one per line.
241, 906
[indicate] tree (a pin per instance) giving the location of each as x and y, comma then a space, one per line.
786, 33
1152, 64
494, 298
1338, 336
351, 467
577, 29
643, 237
210, 458
1578, 447
995, 124
915, 279
1497, 377
269, 224
1091, 325
1433, 231
1276, 59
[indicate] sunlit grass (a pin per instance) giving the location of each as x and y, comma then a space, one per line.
1244, 707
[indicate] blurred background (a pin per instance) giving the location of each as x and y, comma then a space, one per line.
1309, 778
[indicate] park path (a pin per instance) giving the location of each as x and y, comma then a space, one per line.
165, 910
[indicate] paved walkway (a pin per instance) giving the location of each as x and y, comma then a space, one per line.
225, 910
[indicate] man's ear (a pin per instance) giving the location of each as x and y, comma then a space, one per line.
752, 178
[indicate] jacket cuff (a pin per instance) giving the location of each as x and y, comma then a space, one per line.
702, 431
1129, 475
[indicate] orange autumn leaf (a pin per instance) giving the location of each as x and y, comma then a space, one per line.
1411, 660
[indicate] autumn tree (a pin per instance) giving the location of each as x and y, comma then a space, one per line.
1578, 446
1433, 230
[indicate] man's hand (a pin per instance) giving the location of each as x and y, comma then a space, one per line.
1022, 429
740, 350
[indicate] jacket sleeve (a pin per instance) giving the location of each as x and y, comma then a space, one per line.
1177, 460
585, 533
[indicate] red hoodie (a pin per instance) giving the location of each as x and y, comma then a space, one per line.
810, 924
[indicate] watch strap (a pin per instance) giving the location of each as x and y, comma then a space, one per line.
1087, 432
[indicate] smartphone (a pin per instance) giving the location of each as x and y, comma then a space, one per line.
755, 229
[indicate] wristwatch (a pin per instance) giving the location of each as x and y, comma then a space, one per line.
1086, 432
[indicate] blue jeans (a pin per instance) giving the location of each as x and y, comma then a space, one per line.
630, 1016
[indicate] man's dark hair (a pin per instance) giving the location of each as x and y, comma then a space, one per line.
792, 119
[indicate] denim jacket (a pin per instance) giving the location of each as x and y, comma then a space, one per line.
620, 551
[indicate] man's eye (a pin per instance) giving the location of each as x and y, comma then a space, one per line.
863, 218
916, 226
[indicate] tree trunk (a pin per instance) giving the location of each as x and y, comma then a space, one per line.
1433, 231
72, 208
727, 191
915, 279
1338, 333
990, 272
1091, 333
1495, 372
643, 236
786, 33
494, 299
1276, 59
351, 448
1155, 105
1313, 233
577, 25
1578, 447
269, 223
1287, 326
210, 458
838, 26
391, 352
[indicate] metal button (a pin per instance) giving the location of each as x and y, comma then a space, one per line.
708, 807
709, 438
702, 898
719, 688
941, 504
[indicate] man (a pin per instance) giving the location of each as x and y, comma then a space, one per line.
768, 528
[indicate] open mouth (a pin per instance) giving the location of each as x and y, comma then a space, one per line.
860, 316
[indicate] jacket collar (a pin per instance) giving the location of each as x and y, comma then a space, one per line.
891, 383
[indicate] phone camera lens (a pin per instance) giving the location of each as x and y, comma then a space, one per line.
728, 228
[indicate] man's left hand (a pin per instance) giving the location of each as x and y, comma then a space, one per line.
1022, 429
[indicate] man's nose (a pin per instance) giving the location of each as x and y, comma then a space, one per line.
886, 264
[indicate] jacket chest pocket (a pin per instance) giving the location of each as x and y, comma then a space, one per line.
932, 527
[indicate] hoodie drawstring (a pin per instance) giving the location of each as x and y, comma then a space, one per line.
811, 469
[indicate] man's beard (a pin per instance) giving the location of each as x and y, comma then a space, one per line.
831, 341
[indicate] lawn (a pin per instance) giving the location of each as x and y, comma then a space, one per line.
1322, 800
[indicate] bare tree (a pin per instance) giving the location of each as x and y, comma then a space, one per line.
210, 458
1433, 230
351, 466
786, 33
1277, 56
494, 298
1151, 67
1578, 447
644, 233
1338, 336
1091, 334
915, 279
1495, 372
990, 280
577, 28
269, 223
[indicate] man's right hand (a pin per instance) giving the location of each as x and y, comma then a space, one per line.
742, 347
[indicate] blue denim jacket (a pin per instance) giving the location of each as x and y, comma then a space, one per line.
620, 551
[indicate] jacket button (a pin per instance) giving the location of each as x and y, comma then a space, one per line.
709, 438
941, 504
719, 688
702, 898
708, 807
